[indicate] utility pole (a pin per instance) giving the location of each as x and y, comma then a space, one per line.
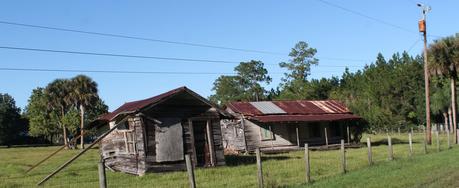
422, 28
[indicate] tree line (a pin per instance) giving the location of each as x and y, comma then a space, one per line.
53, 114
388, 93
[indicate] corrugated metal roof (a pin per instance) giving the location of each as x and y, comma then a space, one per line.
267, 107
305, 118
131, 107
298, 110
293, 107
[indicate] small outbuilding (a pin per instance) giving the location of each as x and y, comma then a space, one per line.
154, 134
287, 125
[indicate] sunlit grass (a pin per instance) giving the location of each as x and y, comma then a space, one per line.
281, 170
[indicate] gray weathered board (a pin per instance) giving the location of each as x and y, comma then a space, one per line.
169, 140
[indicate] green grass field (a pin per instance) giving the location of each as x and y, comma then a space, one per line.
436, 169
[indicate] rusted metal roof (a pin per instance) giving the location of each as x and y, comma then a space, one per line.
297, 110
305, 118
132, 107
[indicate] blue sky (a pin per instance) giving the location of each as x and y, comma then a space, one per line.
266, 25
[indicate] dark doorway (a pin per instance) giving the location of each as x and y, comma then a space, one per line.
201, 143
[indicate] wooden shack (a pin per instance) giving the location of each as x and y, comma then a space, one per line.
154, 134
286, 125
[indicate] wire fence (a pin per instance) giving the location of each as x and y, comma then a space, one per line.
285, 169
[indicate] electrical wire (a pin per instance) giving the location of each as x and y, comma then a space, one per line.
372, 18
137, 56
111, 71
140, 38
163, 41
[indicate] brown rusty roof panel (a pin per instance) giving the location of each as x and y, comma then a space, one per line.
131, 107
244, 108
294, 107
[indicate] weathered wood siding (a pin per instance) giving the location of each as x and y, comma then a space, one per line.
284, 134
218, 144
233, 138
254, 139
169, 140
122, 156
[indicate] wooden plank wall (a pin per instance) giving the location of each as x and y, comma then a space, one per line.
113, 149
139, 128
233, 140
218, 144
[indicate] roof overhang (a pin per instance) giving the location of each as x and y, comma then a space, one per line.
304, 118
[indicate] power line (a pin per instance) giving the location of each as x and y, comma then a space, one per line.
162, 41
413, 45
111, 71
116, 55
136, 56
372, 18
140, 38
122, 71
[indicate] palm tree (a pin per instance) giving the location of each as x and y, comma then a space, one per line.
84, 92
443, 59
57, 94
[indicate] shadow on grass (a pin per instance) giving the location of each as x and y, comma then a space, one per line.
235, 160
394, 141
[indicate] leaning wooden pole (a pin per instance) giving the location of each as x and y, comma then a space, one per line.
77, 155
190, 171
52, 154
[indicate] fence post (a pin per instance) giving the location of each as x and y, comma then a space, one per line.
391, 152
307, 163
438, 140
260, 171
370, 155
425, 141
410, 140
448, 137
343, 156
190, 170
102, 177
399, 131
456, 136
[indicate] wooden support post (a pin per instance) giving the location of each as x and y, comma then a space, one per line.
425, 143
307, 163
297, 136
348, 135
326, 137
410, 141
243, 135
259, 167
343, 157
193, 148
79, 154
457, 137
391, 152
102, 177
370, 154
210, 142
448, 136
438, 140
190, 170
